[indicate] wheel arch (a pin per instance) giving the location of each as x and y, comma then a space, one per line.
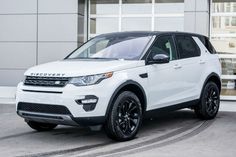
132, 86
214, 78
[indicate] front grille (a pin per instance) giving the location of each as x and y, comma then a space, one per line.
46, 81
43, 108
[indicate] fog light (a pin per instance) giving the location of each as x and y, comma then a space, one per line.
89, 102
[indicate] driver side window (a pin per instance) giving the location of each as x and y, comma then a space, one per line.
164, 45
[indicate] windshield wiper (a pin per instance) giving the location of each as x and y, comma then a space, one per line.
95, 58
103, 58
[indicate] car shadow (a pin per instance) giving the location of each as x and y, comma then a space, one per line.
158, 123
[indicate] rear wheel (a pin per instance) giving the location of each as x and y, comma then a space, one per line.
41, 126
209, 102
125, 117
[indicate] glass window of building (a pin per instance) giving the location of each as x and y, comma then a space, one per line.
132, 15
136, 6
169, 24
101, 25
169, 6
136, 24
223, 37
104, 7
103, 17
136, 15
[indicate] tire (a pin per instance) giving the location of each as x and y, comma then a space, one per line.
41, 126
209, 104
125, 117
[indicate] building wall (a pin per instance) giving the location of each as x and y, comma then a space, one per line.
197, 16
37, 31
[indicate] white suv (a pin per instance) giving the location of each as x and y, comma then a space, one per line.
116, 79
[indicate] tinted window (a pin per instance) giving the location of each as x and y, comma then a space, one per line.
164, 45
207, 44
187, 46
202, 39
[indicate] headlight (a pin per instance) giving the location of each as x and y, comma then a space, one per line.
90, 79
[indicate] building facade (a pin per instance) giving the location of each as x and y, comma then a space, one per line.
38, 31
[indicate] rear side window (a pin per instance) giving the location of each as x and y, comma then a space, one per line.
187, 47
207, 44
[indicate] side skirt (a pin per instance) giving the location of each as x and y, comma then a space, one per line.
163, 110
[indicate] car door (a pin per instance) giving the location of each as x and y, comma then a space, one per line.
192, 66
164, 80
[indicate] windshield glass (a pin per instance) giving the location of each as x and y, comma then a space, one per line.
112, 47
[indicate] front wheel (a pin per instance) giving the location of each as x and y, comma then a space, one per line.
125, 117
209, 102
41, 126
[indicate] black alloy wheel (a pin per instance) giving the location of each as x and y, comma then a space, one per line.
128, 116
125, 117
209, 103
212, 101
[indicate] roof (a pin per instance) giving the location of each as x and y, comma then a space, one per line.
131, 33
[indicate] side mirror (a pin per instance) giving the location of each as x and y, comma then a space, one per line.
159, 59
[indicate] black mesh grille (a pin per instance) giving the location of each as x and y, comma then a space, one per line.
43, 108
46, 81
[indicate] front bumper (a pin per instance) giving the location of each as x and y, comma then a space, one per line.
66, 97
61, 119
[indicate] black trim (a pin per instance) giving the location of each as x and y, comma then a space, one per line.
43, 108
89, 121
171, 108
114, 95
176, 47
144, 75
209, 76
37, 91
44, 81
88, 106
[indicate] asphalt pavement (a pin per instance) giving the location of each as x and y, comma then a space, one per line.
176, 134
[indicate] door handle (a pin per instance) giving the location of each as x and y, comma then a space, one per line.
202, 62
177, 66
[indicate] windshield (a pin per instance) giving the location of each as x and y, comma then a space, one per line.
112, 47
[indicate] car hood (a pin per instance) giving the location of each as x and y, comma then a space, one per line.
73, 68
